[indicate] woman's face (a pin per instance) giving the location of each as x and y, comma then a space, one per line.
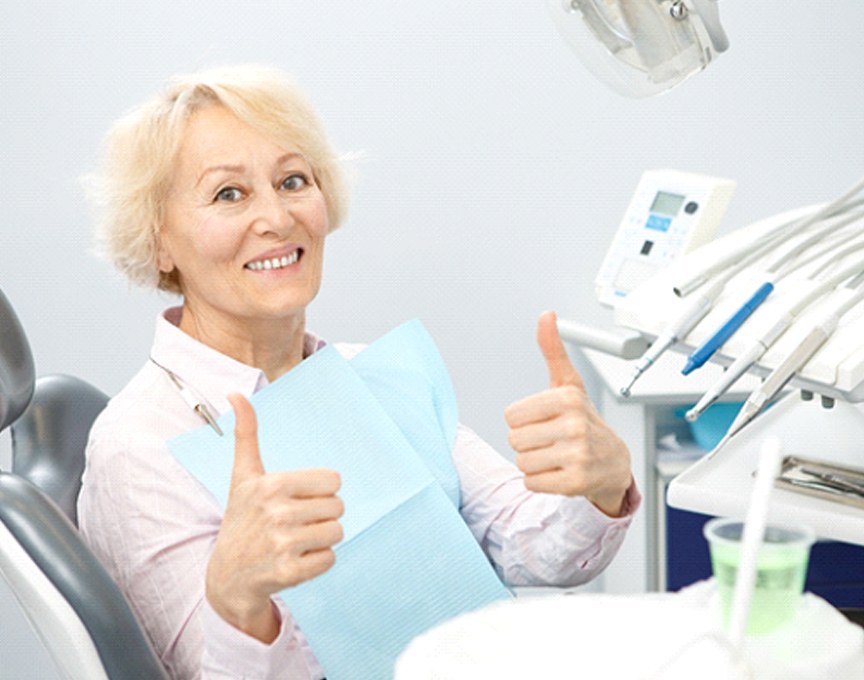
244, 223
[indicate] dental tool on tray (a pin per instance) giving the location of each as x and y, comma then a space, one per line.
819, 478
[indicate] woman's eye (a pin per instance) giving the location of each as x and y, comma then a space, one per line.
294, 182
229, 194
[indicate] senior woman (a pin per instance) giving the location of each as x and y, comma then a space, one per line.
223, 189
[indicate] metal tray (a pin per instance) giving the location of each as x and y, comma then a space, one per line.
823, 480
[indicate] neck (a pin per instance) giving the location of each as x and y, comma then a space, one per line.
274, 346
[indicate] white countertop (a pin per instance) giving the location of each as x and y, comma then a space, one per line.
720, 483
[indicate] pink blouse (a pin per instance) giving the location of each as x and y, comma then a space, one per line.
153, 525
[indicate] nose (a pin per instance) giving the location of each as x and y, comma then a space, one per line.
273, 213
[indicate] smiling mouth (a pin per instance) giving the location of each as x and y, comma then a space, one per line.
275, 262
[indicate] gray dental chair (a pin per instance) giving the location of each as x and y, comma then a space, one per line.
72, 603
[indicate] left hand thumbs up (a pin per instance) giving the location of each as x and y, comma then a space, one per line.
562, 444
561, 371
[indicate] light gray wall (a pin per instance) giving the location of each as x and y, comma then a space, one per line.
493, 172
493, 168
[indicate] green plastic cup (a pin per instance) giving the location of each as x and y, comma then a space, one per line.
781, 568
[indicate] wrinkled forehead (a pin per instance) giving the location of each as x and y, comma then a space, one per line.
215, 137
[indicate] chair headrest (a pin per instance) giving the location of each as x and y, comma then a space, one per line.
17, 372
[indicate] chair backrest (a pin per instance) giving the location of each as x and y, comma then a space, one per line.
78, 611
74, 605
17, 372
49, 438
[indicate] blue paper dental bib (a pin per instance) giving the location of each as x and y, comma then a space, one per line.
386, 420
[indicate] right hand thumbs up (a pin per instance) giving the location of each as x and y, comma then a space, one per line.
247, 457
278, 530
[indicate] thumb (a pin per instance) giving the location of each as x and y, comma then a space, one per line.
247, 458
561, 370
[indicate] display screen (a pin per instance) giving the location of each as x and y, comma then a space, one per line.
667, 204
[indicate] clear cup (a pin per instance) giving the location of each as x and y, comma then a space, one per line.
781, 568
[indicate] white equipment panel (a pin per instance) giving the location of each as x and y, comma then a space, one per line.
670, 214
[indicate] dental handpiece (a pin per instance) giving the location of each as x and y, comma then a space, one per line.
739, 367
797, 359
727, 329
782, 375
683, 324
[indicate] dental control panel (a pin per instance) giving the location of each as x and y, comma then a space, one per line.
670, 214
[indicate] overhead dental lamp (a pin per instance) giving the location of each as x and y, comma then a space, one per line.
640, 48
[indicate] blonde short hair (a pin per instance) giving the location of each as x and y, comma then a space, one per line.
140, 150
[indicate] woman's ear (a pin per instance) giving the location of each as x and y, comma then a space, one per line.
163, 257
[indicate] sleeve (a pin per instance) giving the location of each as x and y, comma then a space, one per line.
533, 539
282, 658
153, 527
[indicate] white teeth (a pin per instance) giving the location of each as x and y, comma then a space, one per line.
275, 263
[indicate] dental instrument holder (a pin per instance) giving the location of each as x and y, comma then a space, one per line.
619, 342
836, 371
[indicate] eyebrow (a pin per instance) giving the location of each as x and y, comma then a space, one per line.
240, 168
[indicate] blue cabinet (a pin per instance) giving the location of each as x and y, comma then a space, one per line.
836, 571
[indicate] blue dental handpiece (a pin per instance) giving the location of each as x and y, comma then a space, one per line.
702, 353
